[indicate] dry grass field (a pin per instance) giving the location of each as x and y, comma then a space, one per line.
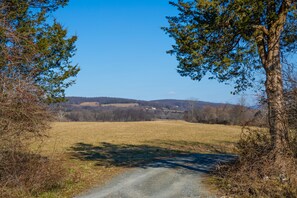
123, 105
95, 152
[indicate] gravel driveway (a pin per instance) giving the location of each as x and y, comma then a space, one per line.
177, 177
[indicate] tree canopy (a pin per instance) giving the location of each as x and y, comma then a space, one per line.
33, 44
230, 39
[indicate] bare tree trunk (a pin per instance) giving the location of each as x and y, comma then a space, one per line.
276, 104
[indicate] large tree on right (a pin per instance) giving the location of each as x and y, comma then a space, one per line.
232, 40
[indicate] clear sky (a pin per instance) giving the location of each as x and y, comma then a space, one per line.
121, 50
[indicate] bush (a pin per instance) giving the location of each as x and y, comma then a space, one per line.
256, 173
30, 175
24, 119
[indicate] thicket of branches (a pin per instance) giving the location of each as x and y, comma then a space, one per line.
225, 114
24, 119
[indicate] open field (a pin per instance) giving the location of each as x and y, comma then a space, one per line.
94, 152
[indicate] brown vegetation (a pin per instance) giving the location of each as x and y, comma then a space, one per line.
125, 105
107, 115
223, 114
23, 120
256, 173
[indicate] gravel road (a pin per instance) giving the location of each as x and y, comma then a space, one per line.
177, 177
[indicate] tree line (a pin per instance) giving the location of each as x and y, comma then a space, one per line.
222, 114
227, 114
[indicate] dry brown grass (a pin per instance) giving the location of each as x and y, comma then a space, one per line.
160, 136
123, 105
65, 134
89, 104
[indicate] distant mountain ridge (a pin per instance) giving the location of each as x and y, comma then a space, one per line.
175, 104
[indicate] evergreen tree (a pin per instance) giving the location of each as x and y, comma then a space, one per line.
232, 40
34, 45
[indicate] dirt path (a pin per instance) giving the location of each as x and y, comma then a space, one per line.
178, 177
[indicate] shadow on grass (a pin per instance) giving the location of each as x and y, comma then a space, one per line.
145, 156
222, 147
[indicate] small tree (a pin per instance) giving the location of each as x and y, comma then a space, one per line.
232, 40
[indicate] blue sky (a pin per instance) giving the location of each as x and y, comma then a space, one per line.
121, 50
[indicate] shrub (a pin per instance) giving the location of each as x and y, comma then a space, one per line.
256, 173
24, 119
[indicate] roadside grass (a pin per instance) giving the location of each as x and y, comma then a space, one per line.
93, 153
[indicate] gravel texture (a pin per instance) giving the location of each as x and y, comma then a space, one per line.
177, 177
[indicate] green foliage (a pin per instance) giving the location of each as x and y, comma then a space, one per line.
34, 44
219, 37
